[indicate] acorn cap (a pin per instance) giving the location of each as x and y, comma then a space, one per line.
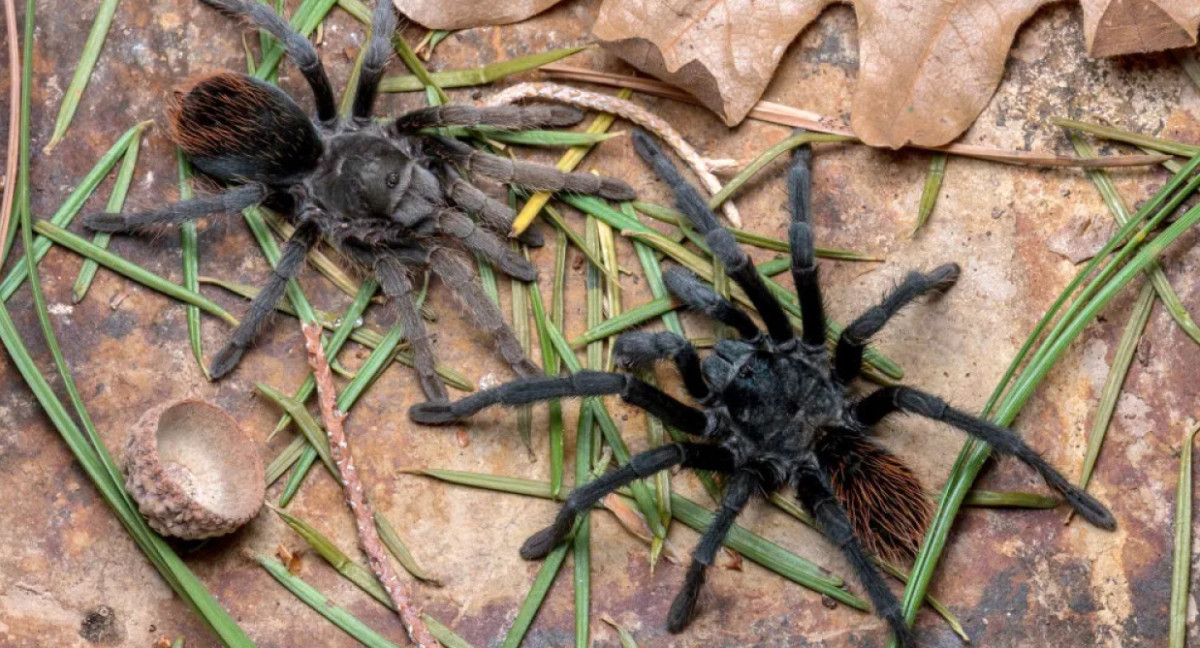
192, 471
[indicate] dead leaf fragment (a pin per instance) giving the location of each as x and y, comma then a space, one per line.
926, 71
464, 14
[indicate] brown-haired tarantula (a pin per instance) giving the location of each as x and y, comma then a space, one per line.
777, 410
387, 196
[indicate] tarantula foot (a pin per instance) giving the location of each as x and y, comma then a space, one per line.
615, 189
1090, 508
945, 276
227, 358
532, 238
541, 543
638, 350
433, 413
105, 222
521, 270
683, 608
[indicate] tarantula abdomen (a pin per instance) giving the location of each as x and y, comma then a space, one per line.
235, 127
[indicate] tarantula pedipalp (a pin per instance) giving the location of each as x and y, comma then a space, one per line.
777, 410
391, 199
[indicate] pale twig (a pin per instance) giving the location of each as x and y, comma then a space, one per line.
368, 535
703, 167
794, 117
14, 122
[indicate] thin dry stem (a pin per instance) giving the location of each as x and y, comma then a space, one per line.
788, 116
368, 536
703, 167
14, 121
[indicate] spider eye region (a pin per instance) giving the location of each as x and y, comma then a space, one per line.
393, 179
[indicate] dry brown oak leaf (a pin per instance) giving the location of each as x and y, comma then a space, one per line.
927, 68
464, 14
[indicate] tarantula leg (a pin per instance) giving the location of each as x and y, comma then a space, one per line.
491, 212
506, 117
290, 260
639, 349
383, 27
230, 200
879, 404
525, 174
720, 241
693, 455
693, 292
742, 485
855, 337
817, 496
800, 239
459, 277
297, 46
393, 278
585, 383
487, 244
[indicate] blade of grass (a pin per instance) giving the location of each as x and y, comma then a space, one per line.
341, 563
551, 363
17, 139
1116, 378
71, 206
933, 184
537, 593
191, 262
569, 161
321, 603
443, 634
1182, 566
83, 71
391, 540
768, 156
128, 269
974, 454
668, 215
308, 425
308, 15
752, 546
1122, 215
371, 368
478, 76
349, 321
1129, 137
635, 316
551, 214
989, 499
116, 202
539, 138
623, 635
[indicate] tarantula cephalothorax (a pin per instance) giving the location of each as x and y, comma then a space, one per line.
387, 196
777, 411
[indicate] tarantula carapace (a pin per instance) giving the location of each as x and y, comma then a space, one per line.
392, 199
776, 409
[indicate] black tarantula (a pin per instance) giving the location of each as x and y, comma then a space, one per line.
777, 411
387, 196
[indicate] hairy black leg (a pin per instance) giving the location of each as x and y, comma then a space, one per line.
692, 455
393, 278
720, 241
800, 239
585, 383
290, 260
230, 200
492, 213
815, 493
855, 337
525, 174
462, 280
487, 244
742, 485
297, 46
383, 27
507, 117
693, 292
640, 349
879, 404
